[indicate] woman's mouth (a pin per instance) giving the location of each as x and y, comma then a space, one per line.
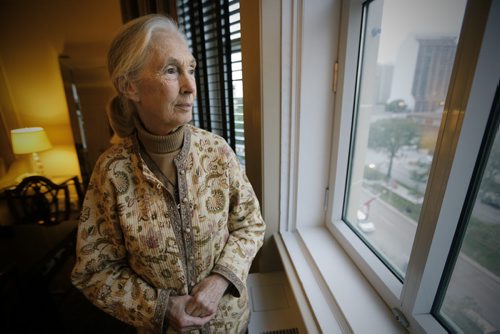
185, 106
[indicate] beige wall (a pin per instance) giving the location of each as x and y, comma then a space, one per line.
33, 34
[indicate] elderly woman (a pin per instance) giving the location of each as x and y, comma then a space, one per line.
170, 223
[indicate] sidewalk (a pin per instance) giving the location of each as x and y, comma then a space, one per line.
403, 192
398, 189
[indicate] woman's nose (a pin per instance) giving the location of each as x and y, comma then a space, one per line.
187, 84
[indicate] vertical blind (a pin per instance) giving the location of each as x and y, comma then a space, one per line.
213, 31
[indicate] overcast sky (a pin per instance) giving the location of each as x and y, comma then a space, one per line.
403, 18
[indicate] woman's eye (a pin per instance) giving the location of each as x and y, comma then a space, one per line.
171, 70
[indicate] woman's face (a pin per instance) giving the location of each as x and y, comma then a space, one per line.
165, 89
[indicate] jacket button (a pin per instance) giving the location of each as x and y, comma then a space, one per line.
184, 200
182, 172
188, 230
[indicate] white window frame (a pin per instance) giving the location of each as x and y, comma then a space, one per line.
302, 101
450, 173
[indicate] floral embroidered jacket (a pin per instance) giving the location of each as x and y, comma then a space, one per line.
139, 243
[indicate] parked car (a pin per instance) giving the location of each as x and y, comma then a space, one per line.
363, 224
361, 215
366, 226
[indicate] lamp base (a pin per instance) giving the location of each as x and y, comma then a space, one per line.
37, 164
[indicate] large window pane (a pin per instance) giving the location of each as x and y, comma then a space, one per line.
408, 49
471, 302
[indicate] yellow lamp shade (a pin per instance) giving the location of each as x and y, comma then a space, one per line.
29, 140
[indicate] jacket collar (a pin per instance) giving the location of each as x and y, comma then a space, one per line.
180, 160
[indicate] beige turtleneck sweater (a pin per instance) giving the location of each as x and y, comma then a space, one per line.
162, 150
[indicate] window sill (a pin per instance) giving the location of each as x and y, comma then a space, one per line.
333, 295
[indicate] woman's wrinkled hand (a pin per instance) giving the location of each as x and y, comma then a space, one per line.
206, 296
177, 317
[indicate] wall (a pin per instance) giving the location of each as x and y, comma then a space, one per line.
32, 36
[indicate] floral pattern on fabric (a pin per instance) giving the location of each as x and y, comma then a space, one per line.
136, 246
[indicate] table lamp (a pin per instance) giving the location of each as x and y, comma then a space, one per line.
31, 140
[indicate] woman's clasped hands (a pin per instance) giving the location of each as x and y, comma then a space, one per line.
189, 312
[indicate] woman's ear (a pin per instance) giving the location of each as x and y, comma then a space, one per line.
131, 91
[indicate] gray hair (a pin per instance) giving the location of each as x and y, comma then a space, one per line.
127, 55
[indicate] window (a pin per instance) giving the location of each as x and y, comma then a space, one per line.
403, 78
213, 31
414, 129
331, 90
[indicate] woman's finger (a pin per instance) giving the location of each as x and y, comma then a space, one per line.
190, 308
199, 312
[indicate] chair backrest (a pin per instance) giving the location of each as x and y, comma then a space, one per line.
39, 200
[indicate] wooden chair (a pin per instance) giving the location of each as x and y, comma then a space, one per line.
39, 200
41, 249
